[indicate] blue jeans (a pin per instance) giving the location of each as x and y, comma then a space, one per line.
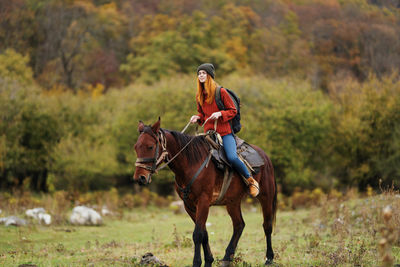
231, 154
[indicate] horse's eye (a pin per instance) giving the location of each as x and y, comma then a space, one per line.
150, 147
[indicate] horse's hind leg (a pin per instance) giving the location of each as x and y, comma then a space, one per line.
238, 226
268, 213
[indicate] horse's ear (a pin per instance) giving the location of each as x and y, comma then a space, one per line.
156, 126
141, 127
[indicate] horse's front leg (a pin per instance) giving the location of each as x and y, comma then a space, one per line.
208, 257
200, 236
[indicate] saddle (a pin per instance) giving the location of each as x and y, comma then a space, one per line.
246, 153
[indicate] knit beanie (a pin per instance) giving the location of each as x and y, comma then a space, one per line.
209, 68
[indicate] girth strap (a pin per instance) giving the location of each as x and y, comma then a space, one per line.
225, 185
186, 189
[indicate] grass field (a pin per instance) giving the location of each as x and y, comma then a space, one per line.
337, 233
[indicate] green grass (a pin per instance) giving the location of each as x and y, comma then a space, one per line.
305, 237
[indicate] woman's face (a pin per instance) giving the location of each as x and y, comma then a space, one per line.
202, 75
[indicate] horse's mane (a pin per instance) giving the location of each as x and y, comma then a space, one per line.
196, 150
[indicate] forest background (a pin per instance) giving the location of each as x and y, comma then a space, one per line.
318, 80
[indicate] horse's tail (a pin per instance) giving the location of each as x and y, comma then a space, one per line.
270, 170
269, 174
274, 204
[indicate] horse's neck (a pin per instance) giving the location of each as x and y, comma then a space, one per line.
180, 164
173, 148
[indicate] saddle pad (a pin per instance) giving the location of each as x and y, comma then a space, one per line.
245, 150
239, 141
250, 155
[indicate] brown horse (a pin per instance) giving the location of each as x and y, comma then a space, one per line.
198, 183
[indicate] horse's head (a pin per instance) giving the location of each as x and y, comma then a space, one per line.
150, 151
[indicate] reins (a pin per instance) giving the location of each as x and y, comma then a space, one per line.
187, 125
177, 154
164, 153
161, 139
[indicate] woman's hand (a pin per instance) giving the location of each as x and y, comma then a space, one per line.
215, 115
194, 118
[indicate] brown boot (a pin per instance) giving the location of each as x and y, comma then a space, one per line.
253, 186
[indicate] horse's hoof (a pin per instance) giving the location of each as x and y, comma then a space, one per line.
225, 263
269, 262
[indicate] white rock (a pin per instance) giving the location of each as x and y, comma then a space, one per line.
82, 215
150, 259
44, 218
40, 215
34, 212
105, 211
13, 220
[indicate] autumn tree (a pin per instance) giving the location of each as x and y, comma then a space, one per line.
72, 33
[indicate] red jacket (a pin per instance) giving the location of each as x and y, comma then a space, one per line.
205, 111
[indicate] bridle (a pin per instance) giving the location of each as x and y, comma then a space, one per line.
157, 159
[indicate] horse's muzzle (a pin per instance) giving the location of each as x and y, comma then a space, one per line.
143, 180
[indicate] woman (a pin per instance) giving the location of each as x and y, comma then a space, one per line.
208, 111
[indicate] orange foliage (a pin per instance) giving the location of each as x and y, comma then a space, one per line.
320, 39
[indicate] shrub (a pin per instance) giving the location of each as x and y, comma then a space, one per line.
14, 66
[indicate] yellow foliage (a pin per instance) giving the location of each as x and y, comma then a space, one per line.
334, 194
317, 195
303, 199
14, 66
56, 89
95, 90
370, 191
12, 201
237, 50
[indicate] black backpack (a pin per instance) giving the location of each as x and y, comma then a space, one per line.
235, 122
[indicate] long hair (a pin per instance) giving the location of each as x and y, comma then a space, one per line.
210, 87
